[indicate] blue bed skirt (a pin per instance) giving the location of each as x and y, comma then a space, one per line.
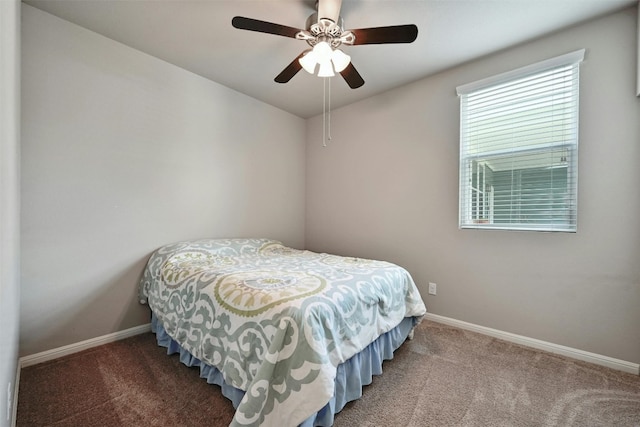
351, 375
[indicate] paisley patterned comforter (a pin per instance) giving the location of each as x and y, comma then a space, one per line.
274, 320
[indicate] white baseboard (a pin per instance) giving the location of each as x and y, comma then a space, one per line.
55, 353
598, 359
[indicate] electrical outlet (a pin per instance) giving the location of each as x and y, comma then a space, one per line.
432, 288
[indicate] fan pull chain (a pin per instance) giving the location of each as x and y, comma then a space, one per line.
329, 118
326, 112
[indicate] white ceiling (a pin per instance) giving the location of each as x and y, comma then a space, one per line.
197, 35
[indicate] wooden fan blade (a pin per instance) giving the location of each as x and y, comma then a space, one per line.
352, 76
329, 9
290, 71
264, 27
381, 35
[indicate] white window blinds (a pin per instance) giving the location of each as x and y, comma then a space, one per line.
519, 147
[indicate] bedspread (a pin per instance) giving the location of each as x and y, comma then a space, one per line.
275, 321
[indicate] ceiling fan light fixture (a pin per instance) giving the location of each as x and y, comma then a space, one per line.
326, 70
309, 62
340, 60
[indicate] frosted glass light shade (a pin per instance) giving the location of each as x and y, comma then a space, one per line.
309, 62
326, 70
323, 52
340, 60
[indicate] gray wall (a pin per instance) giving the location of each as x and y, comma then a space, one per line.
387, 187
9, 201
121, 153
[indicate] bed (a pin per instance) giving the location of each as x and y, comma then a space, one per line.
290, 336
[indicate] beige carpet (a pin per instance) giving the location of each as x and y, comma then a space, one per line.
444, 377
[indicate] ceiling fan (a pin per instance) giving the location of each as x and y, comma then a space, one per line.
324, 33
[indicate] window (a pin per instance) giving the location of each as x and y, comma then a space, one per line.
519, 148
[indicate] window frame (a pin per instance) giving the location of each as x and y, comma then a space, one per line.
483, 218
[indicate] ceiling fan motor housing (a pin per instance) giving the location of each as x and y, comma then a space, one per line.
324, 29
